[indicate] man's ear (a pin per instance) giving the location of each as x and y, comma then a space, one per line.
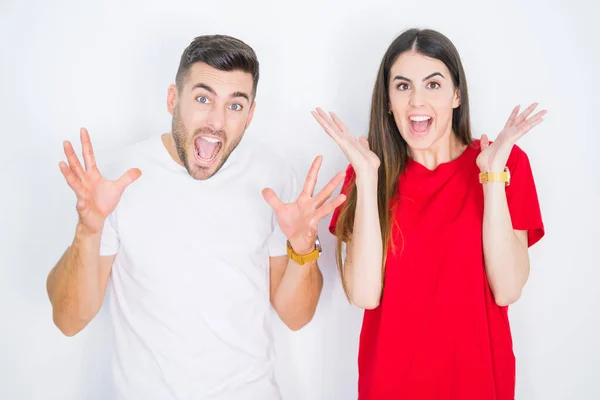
171, 99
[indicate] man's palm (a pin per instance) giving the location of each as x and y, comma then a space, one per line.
299, 220
97, 196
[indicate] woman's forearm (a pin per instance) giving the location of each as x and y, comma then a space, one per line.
505, 253
363, 266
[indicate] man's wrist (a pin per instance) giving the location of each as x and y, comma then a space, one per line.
82, 232
302, 248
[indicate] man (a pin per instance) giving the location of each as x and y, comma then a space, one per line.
195, 256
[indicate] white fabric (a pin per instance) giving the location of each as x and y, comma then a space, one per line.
189, 289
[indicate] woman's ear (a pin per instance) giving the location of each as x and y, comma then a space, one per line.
456, 99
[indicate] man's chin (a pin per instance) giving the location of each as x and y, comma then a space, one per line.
202, 168
201, 172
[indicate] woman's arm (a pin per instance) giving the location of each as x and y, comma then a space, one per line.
364, 252
504, 249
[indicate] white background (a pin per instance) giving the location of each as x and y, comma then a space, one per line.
106, 66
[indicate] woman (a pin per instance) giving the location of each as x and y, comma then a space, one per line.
437, 228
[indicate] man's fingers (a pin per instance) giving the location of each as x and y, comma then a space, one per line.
88, 150
128, 178
311, 177
328, 190
73, 182
73, 160
271, 198
328, 207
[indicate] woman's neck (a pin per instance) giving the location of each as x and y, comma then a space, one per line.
445, 149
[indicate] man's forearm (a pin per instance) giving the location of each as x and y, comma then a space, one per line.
74, 284
298, 293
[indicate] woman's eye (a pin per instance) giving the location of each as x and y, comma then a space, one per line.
433, 85
403, 86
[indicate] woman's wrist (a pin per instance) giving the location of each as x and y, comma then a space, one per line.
368, 181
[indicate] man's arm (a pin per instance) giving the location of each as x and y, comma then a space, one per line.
295, 290
76, 285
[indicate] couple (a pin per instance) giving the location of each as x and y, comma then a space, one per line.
436, 228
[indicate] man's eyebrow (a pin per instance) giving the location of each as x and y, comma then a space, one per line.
205, 87
214, 93
240, 94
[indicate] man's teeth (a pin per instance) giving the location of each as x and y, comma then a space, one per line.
211, 140
419, 118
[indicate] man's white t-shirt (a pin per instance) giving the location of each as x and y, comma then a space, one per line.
189, 287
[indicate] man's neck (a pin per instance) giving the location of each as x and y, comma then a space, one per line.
169, 143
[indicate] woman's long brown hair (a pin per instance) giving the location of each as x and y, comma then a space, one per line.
385, 139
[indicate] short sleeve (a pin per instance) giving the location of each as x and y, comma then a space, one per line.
290, 192
109, 244
521, 195
346, 186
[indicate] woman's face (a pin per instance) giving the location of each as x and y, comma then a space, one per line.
422, 99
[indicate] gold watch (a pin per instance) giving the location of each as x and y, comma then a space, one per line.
302, 259
485, 177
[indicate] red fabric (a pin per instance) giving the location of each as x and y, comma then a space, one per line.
438, 333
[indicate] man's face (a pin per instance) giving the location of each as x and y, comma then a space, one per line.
211, 112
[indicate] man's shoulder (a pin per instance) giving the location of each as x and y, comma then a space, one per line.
266, 157
115, 160
267, 166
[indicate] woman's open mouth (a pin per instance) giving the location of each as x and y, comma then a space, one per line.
420, 124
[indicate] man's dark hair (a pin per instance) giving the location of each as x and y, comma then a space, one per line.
222, 52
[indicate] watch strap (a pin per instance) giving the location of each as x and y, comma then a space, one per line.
504, 176
302, 259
